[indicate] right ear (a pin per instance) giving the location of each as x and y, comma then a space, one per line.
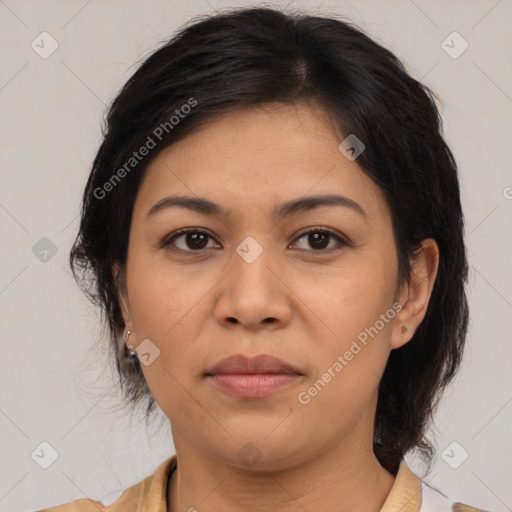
119, 274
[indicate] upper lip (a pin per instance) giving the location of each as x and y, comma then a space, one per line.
240, 363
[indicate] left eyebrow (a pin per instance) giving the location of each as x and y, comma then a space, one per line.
308, 203
285, 210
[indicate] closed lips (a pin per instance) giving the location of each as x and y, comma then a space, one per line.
252, 378
260, 364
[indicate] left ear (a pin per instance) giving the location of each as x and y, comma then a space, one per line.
415, 294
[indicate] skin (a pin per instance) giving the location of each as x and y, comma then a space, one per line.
297, 302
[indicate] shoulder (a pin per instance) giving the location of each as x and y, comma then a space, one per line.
461, 507
125, 501
411, 494
149, 495
433, 500
82, 505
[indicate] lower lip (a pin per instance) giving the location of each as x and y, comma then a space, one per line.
253, 385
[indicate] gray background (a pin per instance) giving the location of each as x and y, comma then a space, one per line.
55, 382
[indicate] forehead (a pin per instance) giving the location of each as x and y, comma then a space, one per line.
256, 158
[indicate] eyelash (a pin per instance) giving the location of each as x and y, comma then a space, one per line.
166, 242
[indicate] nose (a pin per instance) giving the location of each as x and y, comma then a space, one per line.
254, 294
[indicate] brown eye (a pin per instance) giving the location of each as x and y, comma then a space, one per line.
319, 239
189, 240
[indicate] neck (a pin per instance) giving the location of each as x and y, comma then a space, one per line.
344, 478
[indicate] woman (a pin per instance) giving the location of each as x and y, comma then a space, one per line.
273, 229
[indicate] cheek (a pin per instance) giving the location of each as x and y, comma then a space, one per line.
352, 297
356, 310
348, 367
161, 298
169, 308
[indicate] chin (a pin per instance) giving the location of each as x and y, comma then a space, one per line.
260, 454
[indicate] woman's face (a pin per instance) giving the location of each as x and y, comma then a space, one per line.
256, 283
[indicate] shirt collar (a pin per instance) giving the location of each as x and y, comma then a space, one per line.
405, 495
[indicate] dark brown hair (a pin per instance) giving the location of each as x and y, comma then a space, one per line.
248, 57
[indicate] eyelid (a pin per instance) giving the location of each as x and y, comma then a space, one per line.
342, 240
169, 238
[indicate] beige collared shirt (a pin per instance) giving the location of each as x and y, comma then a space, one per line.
408, 494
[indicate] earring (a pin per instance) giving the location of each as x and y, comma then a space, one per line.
404, 329
131, 350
